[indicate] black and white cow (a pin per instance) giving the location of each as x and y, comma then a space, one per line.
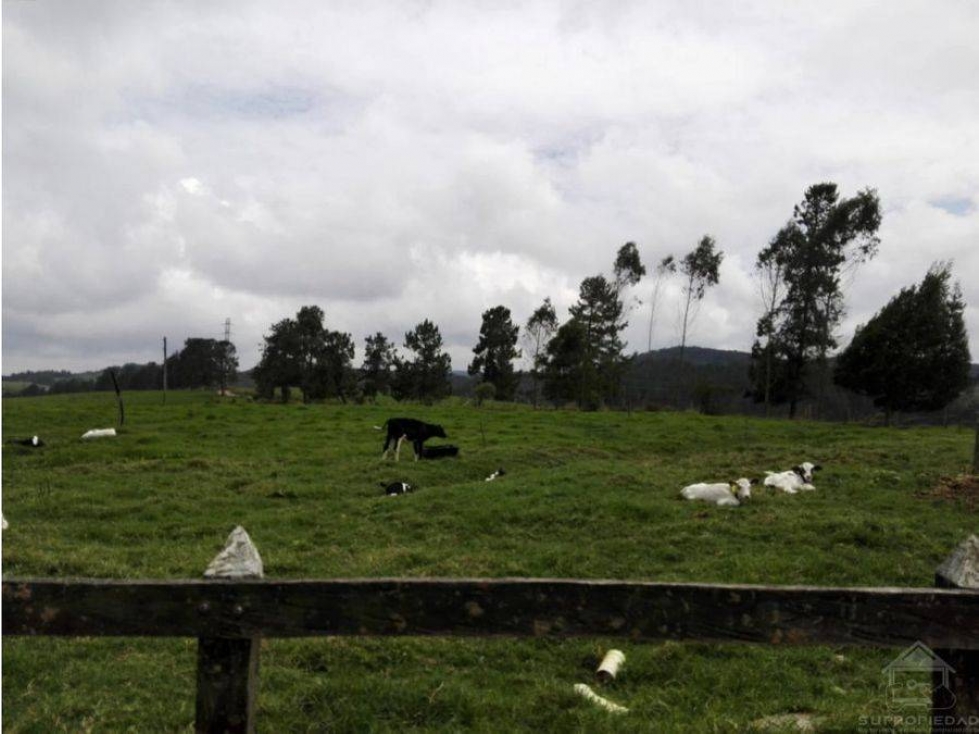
396, 488
409, 429
33, 442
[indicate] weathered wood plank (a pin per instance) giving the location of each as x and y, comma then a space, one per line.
879, 617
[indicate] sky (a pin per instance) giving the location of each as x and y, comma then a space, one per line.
168, 166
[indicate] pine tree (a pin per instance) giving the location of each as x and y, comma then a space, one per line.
597, 320
914, 353
379, 361
495, 352
426, 377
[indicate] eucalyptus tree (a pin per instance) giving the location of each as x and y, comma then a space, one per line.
826, 237
700, 269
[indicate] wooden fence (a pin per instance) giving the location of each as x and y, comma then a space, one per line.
229, 617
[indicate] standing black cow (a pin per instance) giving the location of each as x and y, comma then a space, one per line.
402, 429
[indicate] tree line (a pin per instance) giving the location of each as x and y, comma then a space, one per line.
202, 363
912, 355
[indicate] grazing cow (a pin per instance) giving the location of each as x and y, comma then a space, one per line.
723, 494
402, 429
796, 478
396, 488
498, 473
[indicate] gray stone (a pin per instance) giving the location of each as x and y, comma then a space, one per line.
238, 560
961, 569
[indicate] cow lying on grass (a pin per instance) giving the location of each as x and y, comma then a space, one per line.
796, 478
408, 429
33, 442
396, 488
723, 494
439, 452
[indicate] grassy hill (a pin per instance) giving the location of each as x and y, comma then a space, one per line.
587, 495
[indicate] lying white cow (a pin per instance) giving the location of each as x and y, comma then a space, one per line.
720, 493
796, 478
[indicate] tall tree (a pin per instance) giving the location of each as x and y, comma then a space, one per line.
495, 352
311, 336
627, 270
701, 269
227, 362
426, 377
766, 367
302, 351
379, 361
538, 331
201, 363
334, 374
600, 313
278, 366
665, 268
599, 319
564, 369
914, 353
826, 237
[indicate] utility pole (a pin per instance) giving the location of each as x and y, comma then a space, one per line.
164, 370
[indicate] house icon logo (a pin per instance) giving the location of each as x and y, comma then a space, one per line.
918, 678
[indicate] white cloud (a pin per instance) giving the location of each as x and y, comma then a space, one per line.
170, 165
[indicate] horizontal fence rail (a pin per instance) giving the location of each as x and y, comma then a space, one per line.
793, 615
231, 616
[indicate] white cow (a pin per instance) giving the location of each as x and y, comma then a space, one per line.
796, 478
723, 494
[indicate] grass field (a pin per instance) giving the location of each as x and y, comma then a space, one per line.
586, 495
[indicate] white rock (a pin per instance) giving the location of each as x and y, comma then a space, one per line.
962, 567
238, 560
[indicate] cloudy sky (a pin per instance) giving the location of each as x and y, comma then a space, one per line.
170, 165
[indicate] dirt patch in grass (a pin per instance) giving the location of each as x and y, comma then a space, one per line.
963, 488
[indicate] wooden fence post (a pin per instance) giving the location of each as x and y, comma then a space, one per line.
959, 571
227, 668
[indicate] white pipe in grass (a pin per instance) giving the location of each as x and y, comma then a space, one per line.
587, 693
99, 433
610, 665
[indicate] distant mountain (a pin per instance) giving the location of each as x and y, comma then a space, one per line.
698, 356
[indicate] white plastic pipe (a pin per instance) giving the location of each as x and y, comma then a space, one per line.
587, 693
610, 665
99, 433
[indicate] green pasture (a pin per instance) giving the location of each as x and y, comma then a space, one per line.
586, 495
